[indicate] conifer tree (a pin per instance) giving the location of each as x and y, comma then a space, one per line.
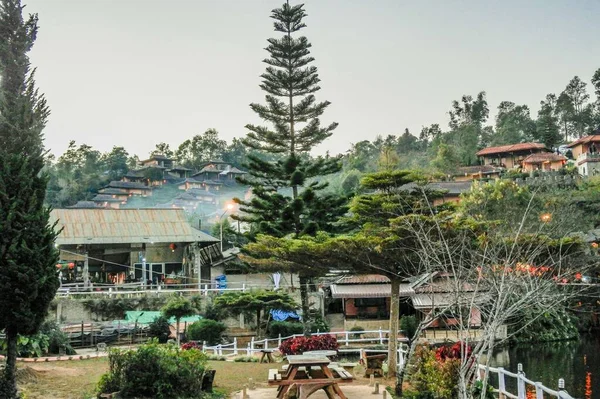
28, 278
287, 197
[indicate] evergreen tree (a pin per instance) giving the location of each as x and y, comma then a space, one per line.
28, 278
547, 127
286, 198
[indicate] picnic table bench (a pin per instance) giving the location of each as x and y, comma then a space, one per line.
308, 374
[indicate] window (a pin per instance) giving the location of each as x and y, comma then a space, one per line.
369, 302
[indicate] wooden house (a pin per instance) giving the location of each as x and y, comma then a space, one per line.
510, 156
544, 161
586, 152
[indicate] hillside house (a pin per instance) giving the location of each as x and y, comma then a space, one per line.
586, 152
118, 193
197, 184
442, 192
476, 172
219, 172
158, 161
544, 161
108, 201
117, 245
510, 156
131, 188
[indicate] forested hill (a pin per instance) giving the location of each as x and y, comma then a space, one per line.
81, 171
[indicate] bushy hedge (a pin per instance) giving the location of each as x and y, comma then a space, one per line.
154, 371
160, 329
207, 330
285, 328
298, 345
50, 339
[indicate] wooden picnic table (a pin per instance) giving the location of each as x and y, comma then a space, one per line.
309, 374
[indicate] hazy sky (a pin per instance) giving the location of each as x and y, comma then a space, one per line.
137, 72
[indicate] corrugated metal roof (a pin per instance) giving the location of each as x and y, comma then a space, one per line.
364, 279
367, 290
121, 226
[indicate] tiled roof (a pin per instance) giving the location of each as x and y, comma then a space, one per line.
511, 148
594, 138
128, 185
106, 198
122, 226
116, 191
544, 157
367, 290
364, 279
84, 205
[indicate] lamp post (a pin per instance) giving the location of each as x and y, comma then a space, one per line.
229, 207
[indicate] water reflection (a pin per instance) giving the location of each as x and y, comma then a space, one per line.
578, 362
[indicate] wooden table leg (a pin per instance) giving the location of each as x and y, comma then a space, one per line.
336, 388
330, 392
291, 374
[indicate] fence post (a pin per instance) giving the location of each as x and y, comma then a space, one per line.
380, 336
501, 383
346, 338
266, 343
215, 351
539, 393
248, 352
204, 346
520, 382
205, 289
252, 345
235, 348
244, 287
220, 349
279, 341
561, 390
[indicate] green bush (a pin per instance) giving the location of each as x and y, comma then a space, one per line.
246, 359
207, 330
358, 334
408, 324
154, 371
49, 339
57, 339
318, 324
160, 329
285, 328
214, 313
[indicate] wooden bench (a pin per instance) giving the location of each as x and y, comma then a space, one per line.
342, 373
348, 366
274, 375
266, 354
373, 364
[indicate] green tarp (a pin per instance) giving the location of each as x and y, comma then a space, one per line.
148, 316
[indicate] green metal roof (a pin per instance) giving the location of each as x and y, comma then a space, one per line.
148, 316
124, 226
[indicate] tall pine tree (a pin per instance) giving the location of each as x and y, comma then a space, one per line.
287, 197
28, 278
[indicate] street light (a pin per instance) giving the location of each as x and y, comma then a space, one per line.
229, 207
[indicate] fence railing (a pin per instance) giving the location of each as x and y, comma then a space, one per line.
522, 384
344, 338
89, 335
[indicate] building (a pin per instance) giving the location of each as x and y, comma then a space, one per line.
108, 201
586, 152
442, 192
511, 155
544, 161
118, 193
476, 172
158, 161
131, 188
117, 245
196, 184
365, 300
219, 172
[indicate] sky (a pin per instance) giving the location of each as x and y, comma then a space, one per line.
134, 73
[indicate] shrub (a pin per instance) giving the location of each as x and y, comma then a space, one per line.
358, 334
160, 329
285, 328
408, 324
49, 339
214, 313
190, 345
207, 330
319, 324
298, 345
434, 378
154, 371
246, 359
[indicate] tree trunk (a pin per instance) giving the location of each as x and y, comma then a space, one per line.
411, 350
394, 324
11, 364
304, 303
177, 331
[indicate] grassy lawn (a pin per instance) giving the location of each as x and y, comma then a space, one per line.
78, 379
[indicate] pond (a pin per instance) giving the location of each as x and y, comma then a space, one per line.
578, 362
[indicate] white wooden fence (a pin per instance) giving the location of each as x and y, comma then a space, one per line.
522, 383
344, 338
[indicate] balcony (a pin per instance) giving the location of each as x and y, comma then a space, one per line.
588, 157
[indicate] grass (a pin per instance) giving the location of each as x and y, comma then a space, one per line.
78, 379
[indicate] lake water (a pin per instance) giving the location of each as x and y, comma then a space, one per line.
578, 362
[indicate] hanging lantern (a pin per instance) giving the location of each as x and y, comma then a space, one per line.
59, 266
173, 247
71, 265
594, 245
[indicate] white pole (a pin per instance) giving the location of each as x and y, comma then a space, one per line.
144, 271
